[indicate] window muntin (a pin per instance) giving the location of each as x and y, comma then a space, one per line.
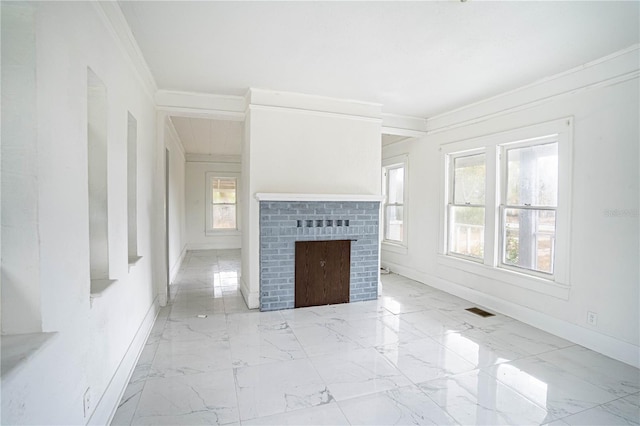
394, 187
466, 208
530, 201
223, 203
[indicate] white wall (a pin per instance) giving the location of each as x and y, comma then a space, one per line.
196, 189
94, 340
20, 265
305, 144
177, 227
604, 250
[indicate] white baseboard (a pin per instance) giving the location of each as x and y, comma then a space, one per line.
251, 299
606, 345
108, 404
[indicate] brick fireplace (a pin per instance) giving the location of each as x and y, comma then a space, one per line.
287, 218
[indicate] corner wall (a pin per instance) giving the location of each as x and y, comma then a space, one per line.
603, 98
177, 227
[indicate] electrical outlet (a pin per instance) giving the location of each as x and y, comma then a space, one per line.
592, 318
87, 402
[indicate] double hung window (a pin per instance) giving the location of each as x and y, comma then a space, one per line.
466, 208
507, 205
221, 203
529, 204
394, 203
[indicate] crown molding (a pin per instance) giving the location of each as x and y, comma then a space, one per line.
201, 105
215, 158
269, 99
609, 70
115, 21
403, 125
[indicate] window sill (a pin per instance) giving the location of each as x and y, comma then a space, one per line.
99, 287
133, 260
394, 247
18, 349
223, 233
529, 282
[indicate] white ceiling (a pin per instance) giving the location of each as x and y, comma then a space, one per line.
209, 137
415, 58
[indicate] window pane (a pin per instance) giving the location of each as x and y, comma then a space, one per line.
224, 190
396, 185
529, 239
394, 226
466, 231
532, 175
224, 216
468, 179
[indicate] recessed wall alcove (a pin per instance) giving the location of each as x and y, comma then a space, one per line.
283, 222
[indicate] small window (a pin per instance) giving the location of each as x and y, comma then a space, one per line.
467, 205
530, 201
222, 211
394, 203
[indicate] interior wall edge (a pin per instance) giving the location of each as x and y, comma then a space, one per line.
252, 299
175, 268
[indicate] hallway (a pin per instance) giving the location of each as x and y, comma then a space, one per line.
414, 356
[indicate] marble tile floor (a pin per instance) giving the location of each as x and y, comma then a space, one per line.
414, 356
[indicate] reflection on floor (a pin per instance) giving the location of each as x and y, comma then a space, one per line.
414, 356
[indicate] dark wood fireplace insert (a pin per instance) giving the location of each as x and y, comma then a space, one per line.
322, 272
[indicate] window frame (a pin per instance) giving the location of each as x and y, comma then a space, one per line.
451, 158
503, 206
556, 285
396, 162
209, 229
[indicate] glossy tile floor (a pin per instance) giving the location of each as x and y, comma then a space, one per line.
414, 356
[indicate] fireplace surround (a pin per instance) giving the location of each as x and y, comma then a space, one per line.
287, 218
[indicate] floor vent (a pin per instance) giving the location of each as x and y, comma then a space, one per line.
480, 312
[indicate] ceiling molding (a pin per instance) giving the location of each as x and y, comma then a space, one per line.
201, 105
402, 125
315, 113
608, 70
204, 158
201, 113
395, 141
117, 25
402, 132
313, 103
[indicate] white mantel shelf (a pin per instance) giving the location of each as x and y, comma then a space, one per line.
283, 196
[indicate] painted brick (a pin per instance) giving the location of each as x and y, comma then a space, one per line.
279, 231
